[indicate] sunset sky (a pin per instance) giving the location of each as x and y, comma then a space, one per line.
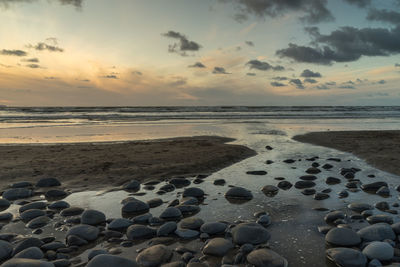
199, 52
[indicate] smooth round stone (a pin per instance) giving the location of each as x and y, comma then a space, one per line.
377, 232
22, 184
239, 193
26, 263
308, 191
193, 192
188, 209
73, 240
192, 223
256, 172
266, 257
175, 264
72, 211
48, 182
289, 161
324, 229
33, 253
4, 204
55, 194
138, 231
342, 237
93, 253
383, 191
31, 214
219, 182
217, 247
142, 219
154, 256
155, 202
327, 166
381, 218
383, 206
133, 185
213, 228
59, 205
264, 220
332, 180
313, 170
6, 216
167, 188
6, 250
346, 257
119, 224
270, 190
62, 262
251, 233
333, 216
17, 193
53, 246
189, 201
343, 194
93, 217
167, 229
171, 213
321, 196
285, 185
379, 250
27, 243
179, 182
360, 207
187, 233
39, 205
304, 184
86, 232
135, 206
38, 222
105, 260
373, 186
308, 177
396, 228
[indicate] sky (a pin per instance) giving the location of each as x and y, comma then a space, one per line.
199, 52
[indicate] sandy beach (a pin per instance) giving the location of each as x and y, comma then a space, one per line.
378, 148
95, 166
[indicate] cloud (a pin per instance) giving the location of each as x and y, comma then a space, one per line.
277, 84
33, 66
347, 87
43, 46
33, 60
279, 78
51, 78
331, 83
360, 3
249, 43
381, 82
184, 44
384, 16
18, 53
310, 74
344, 45
219, 70
264, 66
197, 65
314, 10
251, 74
397, 65
322, 87
309, 80
137, 73
7, 3
179, 81
111, 76
297, 83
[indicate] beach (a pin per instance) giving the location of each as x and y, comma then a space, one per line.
380, 149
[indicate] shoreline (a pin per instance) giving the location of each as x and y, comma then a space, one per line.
100, 165
379, 149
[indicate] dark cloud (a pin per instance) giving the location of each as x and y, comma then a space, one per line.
137, 73
51, 78
251, 74
43, 46
330, 83
322, 87
33, 66
309, 80
179, 81
347, 87
279, 78
33, 60
18, 53
7, 3
184, 44
277, 84
297, 83
384, 15
344, 45
197, 65
111, 76
310, 74
220, 70
264, 66
314, 10
397, 65
83, 80
359, 3
381, 82
249, 43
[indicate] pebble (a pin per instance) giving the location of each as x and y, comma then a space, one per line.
138, 231
187, 233
270, 190
17, 193
105, 260
59, 205
193, 192
332, 180
381, 218
285, 185
38, 222
26, 263
379, 250
266, 257
251, 233
154, 256
72, 211
155, 202
239, 193
192, 223
179, 182
93, 217
171, 213
135, 206
48, 182
167, 229
346, 257
6, 250
33, 253
377, 232
217, 247
321, 196
359, 207
304, 184
256, 172
86, 232
119, 224
213, 228
133, 185
342, 237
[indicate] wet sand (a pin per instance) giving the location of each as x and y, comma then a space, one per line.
95, 166
380, 149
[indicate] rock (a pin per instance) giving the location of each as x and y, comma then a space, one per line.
239, 193
17, 193
154, 256
187, 233
327, 166
266, 258
269, 162
285, 185
105, 260
174, 264
189, 201
376, 263
53, 246
119, 224
167, 188
270, 190
332, 180
381, 218
93, 253
308, 177
264, 220
167, 229
359, 207
313, 170
4, 204
38, 222
93, 217
383, 206
73, 240
22, 184
6, 250
171, 213
62, 263
213, 228
51, 194
289, 161
142, 219
135, 206
219, 182
324, 229
304, 184
217, 247
251, 233
72, 211
155, 202
59, 205
377, 232
383, 191
133, 185
192, 223
373, 187
33, 253
48, 182
6, 216
342, 237
39, 205
179, 182
86, 232
193, 192
321, 196
138, 231
26, 263
343, 194
28, 215
256, 172
308, 191
379, 250
346, 257
188, 209
333, 216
